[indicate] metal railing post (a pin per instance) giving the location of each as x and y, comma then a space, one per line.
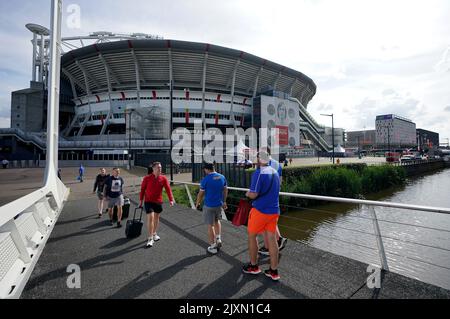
376, 227
191, 201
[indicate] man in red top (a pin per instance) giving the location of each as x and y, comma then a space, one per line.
151, 194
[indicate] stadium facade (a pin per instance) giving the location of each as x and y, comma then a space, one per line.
122, 86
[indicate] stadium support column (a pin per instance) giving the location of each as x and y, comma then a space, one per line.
277, 80
138, 77
255, 90
108, 81
205, 67
171, 130
88, 91
291, 89
171, 114
233, 85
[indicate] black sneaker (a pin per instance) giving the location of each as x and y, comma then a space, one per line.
111, 222
251, 269
119, 225
282, 243
264, 251
272, 274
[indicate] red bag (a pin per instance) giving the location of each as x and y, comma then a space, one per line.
242, 212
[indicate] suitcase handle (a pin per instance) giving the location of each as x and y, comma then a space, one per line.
135, 210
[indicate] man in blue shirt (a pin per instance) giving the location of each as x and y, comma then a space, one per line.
263, 218
81, 172
214, 189
281, 240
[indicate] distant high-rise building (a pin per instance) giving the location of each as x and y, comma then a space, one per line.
427, 140
393, 131
362, 139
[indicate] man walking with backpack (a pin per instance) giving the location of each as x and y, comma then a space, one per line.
214, 189
263, 218
151, 196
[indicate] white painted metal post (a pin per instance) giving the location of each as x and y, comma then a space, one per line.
51, 177
34, 56
191, 201
376, 227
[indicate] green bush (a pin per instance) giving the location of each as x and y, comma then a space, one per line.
335, 182
181, 196
377, 178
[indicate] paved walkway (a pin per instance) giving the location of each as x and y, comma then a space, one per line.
179, 267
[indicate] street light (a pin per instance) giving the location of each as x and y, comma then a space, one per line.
332, 132
129, 112
171, 130
359, 147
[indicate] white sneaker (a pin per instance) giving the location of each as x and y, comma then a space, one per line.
212, 250
219, 243
156, 238
150, 243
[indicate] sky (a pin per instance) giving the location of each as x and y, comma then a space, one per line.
367, 57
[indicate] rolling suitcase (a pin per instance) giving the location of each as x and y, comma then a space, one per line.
134, 226
125, 210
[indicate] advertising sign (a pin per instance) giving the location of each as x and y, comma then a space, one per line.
281, 114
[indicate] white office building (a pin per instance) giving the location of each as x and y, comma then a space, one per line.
393, 131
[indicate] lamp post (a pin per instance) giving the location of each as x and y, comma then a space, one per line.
332, 132
359, 147
129, 112
389, 138
170, 133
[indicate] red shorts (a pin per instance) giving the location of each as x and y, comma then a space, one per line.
259, 223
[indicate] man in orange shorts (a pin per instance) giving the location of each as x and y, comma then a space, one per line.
263, 219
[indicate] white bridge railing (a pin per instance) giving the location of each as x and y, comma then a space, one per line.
26, 224
25, 227
371, 207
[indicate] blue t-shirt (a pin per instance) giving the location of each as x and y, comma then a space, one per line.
213, 185
269, 203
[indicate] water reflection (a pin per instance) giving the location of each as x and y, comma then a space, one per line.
417, 243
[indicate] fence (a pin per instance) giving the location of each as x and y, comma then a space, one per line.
236, 175
371, 208
146, 159
25, 227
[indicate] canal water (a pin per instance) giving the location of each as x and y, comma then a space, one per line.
417, 244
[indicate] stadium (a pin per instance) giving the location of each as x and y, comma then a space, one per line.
117, 92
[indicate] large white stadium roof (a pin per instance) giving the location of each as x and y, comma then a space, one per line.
94, 68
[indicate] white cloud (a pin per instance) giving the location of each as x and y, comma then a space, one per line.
444, 64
